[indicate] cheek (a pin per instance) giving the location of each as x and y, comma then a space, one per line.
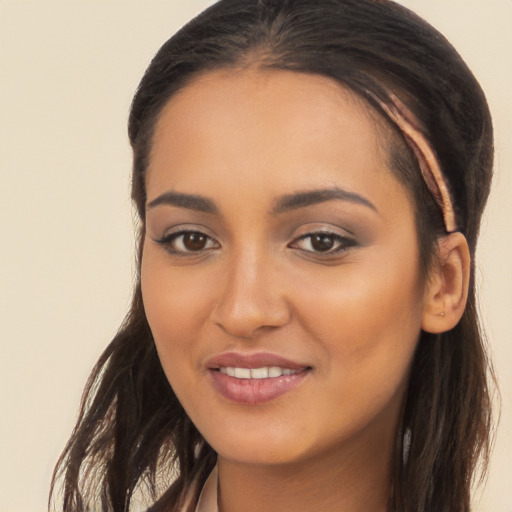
366, 323
176, 303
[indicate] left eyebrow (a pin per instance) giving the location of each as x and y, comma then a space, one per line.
188, 201
312, 197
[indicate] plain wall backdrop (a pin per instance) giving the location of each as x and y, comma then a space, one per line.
68, 70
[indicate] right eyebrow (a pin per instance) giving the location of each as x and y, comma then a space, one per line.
312, 197
188, 201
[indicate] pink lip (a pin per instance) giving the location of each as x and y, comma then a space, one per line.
254, 391
257, 360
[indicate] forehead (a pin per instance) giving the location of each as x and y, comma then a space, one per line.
274, 94
264, 127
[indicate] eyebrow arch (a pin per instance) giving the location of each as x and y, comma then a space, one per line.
312, 197
189, 201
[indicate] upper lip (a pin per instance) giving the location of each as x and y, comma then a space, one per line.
258, 360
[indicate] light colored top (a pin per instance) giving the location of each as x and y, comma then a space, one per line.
208, 497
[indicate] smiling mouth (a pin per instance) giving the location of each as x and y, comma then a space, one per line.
255, 379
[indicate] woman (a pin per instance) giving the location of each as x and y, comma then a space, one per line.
310, 178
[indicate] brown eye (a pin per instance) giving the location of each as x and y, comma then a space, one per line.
322, 242
187, 242
194, 241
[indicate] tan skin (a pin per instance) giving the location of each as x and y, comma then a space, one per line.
332, 284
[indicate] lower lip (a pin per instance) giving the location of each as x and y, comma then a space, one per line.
255, 391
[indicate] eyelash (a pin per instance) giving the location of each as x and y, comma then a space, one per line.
340, 243
167, 242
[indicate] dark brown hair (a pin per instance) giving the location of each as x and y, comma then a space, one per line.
132, 433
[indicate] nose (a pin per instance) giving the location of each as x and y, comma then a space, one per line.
252, 297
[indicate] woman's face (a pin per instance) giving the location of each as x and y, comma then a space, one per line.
280, 270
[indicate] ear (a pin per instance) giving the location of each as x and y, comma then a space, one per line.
446, 291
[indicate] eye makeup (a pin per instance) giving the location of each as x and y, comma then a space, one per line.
187, 242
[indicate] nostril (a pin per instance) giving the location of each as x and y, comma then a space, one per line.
237, 330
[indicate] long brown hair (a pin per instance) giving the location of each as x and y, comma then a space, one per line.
132, 435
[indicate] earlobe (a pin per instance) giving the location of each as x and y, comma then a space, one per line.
447, 289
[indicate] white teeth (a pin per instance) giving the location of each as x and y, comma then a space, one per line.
275, 371
256, 373
259, 373
242, 373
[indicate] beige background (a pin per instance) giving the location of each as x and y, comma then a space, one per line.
68, 70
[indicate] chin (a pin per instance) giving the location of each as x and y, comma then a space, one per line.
261, 455
263, 447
